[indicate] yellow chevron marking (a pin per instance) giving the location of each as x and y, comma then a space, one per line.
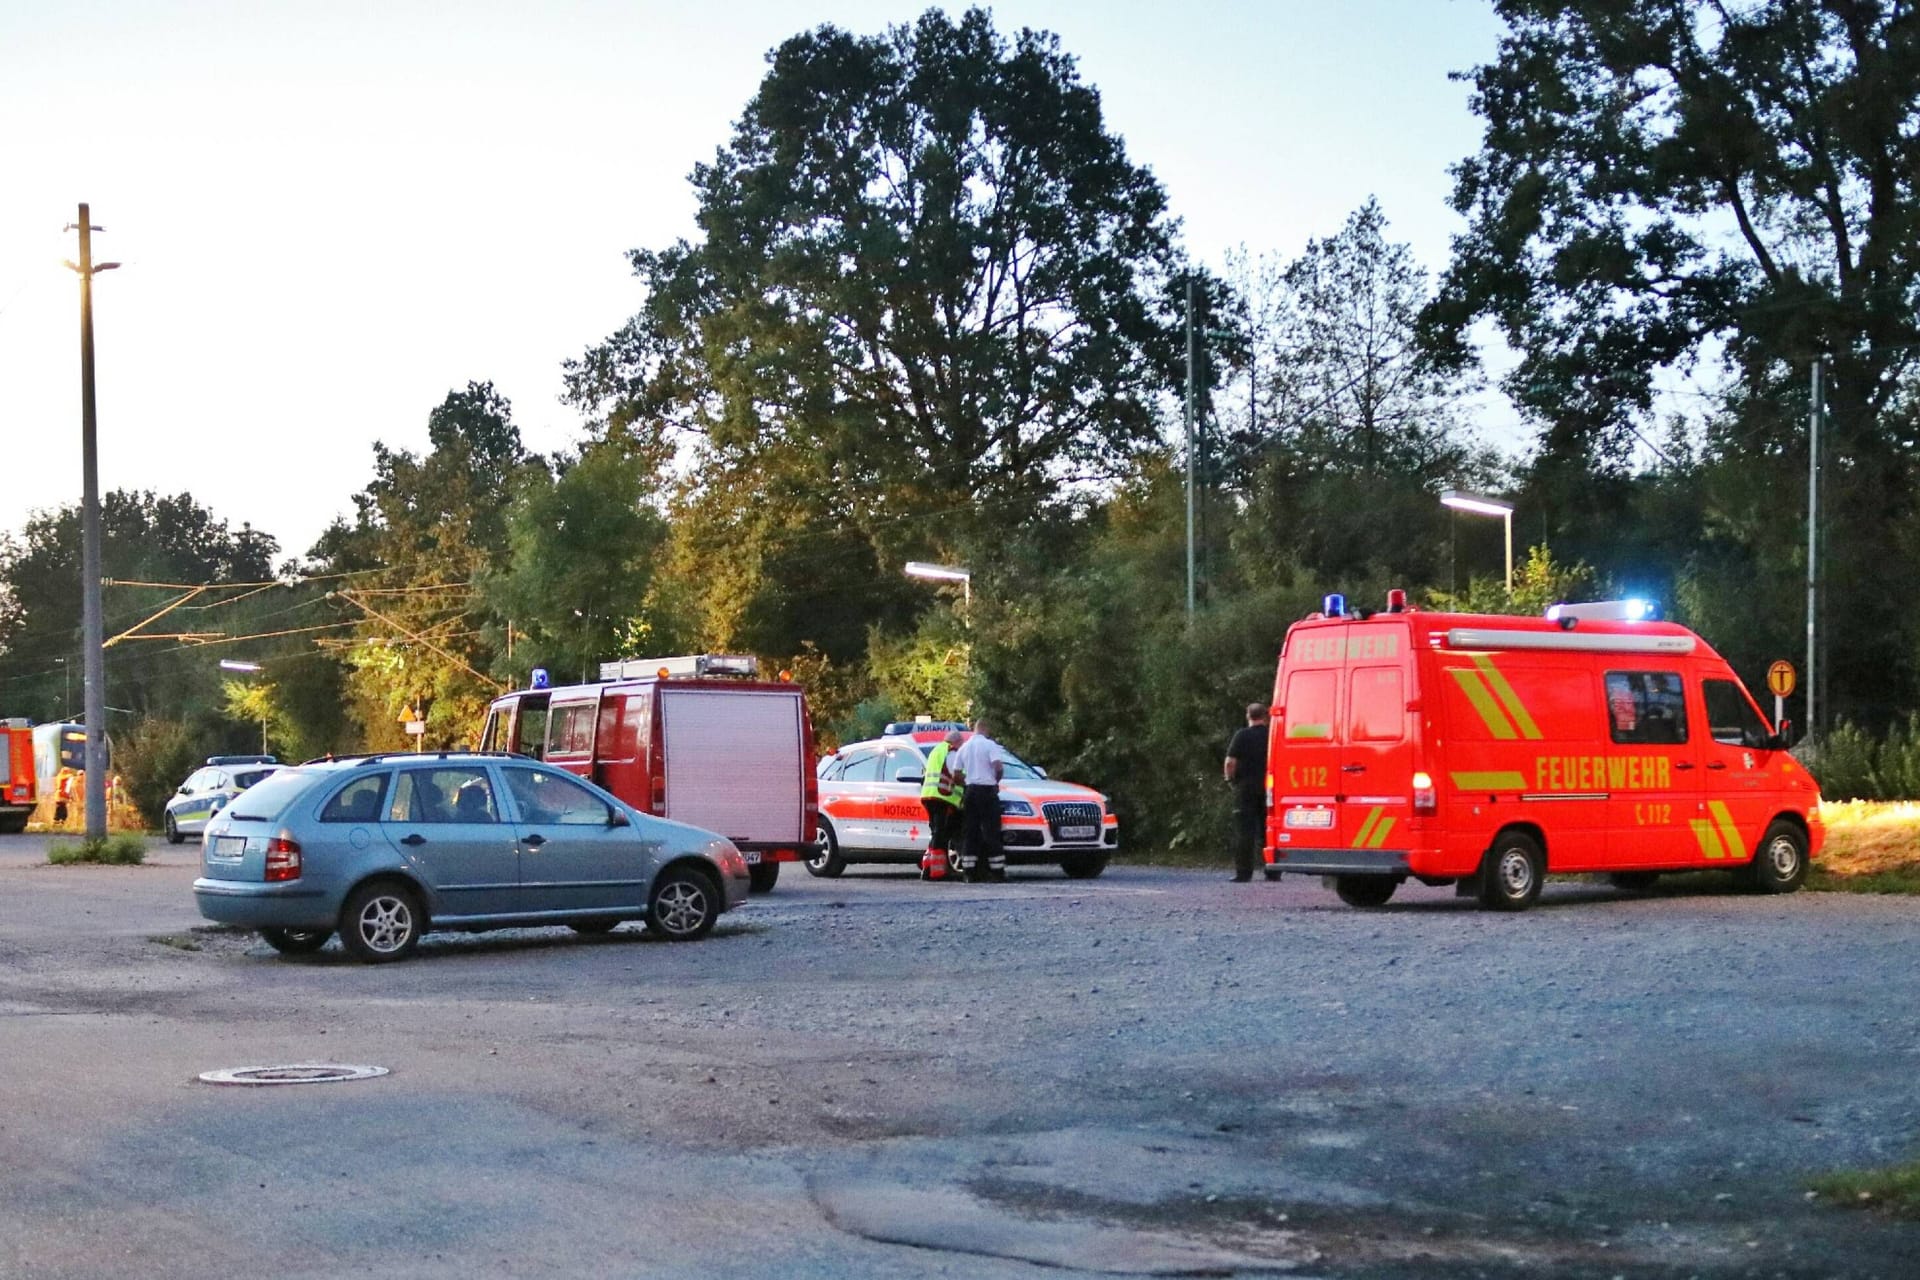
1483, 703
1380, 833
1366, 828
1491, 780
1723, 819
1508, 698
1709, 839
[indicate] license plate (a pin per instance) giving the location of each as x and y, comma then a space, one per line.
1079, 833
228, 848
1313, 818
752, 856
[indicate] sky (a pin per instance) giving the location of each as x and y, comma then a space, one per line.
329, 215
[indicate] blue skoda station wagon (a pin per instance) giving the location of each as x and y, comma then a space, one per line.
384, 848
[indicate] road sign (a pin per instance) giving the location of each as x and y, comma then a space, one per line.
1780, 678
416, 727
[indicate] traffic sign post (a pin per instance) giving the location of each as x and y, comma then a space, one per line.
1781, 680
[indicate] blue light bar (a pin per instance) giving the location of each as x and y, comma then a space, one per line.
541, 680
1334, 606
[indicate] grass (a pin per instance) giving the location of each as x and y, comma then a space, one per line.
1872, 847
118, 851
1894, 1191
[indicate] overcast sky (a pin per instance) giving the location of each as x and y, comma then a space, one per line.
331, 214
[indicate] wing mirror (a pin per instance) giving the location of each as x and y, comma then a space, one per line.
184, 791
1782, 737
906, 776
615, 818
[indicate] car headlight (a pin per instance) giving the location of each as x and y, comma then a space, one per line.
1016, 808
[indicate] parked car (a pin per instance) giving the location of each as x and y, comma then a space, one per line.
870, 810
210, 789
384, 848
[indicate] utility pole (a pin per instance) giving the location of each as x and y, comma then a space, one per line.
1818, 411
1192, 415
95, 689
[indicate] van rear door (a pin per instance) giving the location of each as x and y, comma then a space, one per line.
1307, 756
734, 760
1375, 794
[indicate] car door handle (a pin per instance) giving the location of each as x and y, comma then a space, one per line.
534, 841
1683, 764
1718, 764
414, 838
1353, 768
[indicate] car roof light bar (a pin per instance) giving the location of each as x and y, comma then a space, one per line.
1483, 638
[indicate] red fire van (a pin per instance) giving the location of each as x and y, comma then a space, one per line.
1486, 751
697, 739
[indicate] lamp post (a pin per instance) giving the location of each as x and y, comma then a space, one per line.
943, 573
1460, 500
249, 668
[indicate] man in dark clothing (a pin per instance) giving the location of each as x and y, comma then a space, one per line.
1246, 770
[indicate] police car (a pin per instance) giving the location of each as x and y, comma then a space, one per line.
208, 790
870, 809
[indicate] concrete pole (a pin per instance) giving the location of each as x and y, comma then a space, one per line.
1191, 416
1813, 540
95, 690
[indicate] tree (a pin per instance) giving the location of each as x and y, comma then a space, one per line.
1656, 178
930, 282
433, 525
581, 548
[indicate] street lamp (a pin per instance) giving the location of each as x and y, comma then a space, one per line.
1460, 500
943, 573
249, 668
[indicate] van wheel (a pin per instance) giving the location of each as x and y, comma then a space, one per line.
762, 876
1365, 891
1780, 864
381, 922
1633, 881
1511, 872
828, 861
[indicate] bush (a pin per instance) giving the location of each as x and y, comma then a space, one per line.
153, 760
1850, 764
118, 851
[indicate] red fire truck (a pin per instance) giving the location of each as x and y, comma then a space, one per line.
16, 775
698, 739
1488, 751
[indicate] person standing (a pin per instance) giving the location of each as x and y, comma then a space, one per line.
980, 761
1246, 771
940, 796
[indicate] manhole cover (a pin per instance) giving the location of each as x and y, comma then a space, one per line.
292, 1073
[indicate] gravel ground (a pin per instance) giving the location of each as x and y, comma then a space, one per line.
1158, 1072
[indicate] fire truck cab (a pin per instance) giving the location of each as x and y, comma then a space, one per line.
697, 739
1487, 751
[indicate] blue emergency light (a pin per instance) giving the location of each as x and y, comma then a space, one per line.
1334, 606
541, 680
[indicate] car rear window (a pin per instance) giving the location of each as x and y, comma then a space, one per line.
269, 798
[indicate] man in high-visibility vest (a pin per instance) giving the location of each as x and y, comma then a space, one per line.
940, 796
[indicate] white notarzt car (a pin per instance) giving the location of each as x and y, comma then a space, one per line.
870, 811
209, 790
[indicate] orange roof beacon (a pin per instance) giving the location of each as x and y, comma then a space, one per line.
1486, 751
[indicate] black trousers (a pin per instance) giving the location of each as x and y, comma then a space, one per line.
1249, 832
943, 822
980, 819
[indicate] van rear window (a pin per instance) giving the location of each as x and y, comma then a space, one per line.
1376, 705
1309, 705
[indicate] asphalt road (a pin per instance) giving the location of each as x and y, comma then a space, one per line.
1158, 1072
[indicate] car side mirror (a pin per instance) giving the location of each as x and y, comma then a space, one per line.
615, 818
184, 791
1782, 738
906, 776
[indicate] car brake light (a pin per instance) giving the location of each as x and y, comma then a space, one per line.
1425, 800
283, 858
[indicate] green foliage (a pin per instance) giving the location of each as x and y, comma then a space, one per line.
117, 851
1894, 1191
1850, 763
581, 547
927, 672
1537, 583
154, 759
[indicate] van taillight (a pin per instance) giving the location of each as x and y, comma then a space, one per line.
1269, 791
1425, 801
660, 794
283, 858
